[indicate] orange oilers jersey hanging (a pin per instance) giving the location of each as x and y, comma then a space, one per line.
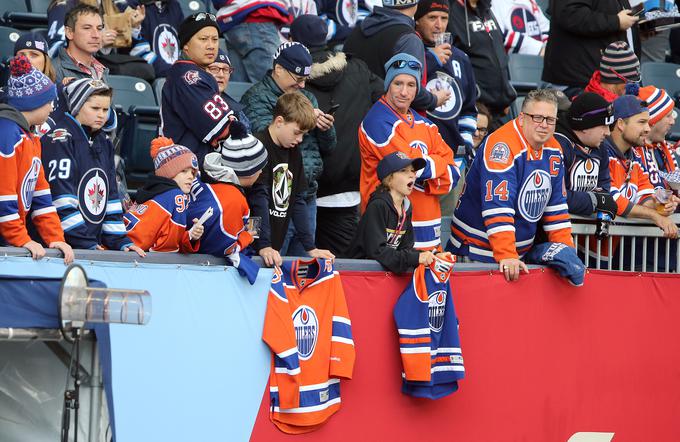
428, 333
308, 329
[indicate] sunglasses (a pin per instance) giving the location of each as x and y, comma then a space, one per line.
400, 64
205, 16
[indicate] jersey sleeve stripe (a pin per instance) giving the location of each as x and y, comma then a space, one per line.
414, 350
496, 211
414, 331
41, 192
342, 330
342, 319
499, 219
43, 211
7, 218
8, 198
551, 227
342, 340
498, 229
66, 201
556, 208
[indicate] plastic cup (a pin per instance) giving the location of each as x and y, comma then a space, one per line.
442, 38
662, 196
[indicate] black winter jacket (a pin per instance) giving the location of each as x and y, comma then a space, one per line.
481, 39
380, 237
338, 78
579, 32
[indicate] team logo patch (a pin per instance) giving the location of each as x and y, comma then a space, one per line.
525, 22
346, 11
194, 162
59, 135
93, 193
584, 175
306, 325
450, 109
420, 145
29, 182
436, 309
534, 195
500, 153
191, 77
282, 186
165, 43
630, 192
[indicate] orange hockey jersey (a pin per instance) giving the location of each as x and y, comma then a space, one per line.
630, 183
23, 188
308, 329
160, 223
384, 131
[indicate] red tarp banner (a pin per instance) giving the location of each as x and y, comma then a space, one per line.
544, 360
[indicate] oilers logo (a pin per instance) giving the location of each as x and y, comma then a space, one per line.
165, 43
450, 109
534, 195
630, 192
29, 182
93, 195
420, 145
306, 325
436, 309
584, 174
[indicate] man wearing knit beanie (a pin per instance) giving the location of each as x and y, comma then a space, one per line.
619, 72
24, 191
657, 155
390, 30
587, 165
221, 189
159, 221
192, 111
391, 125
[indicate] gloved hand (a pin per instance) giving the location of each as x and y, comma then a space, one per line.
604, 202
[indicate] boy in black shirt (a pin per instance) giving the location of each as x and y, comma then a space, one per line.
278, 195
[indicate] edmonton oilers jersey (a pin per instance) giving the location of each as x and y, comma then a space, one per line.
509, 190
428, 333
308, 329
82, 177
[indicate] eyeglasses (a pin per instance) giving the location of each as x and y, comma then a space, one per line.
483, 130
205, 16
216, 70
539, 119
400, 64
298, 80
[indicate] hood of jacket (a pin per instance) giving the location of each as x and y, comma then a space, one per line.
327, 69
10, 113
382, 18
155, 185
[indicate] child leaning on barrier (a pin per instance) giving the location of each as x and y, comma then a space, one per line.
219, 198
385, 232
158, 220
81, 171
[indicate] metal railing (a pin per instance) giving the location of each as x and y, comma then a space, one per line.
637, 245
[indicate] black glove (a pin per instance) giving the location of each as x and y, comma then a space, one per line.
604, 202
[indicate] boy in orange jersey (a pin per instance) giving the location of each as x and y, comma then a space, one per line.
220, 190
23, 188
158, 222
391, 125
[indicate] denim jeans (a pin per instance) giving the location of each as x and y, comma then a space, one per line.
291, 245
251, 49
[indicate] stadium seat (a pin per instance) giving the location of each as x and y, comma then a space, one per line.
192, 6
39, 6
525, 71
8, 36
158, 88
15, 13
131, 91
665, 76
236, 89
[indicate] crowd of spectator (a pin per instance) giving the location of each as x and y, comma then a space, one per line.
365, 124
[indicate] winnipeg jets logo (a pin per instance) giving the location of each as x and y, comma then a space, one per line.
306, 325
165, 39
29, 182
436, 309
93, 195
534, 195
453, 105
346, 11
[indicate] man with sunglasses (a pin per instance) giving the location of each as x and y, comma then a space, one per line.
193, 113
586, 165
391, 125
515, 184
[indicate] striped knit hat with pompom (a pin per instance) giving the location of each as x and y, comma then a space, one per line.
28, 88
169, 159
658, 102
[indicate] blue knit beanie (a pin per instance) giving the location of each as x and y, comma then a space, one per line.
28, 88
403, 64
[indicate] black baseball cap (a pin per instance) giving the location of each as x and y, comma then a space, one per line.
396, 161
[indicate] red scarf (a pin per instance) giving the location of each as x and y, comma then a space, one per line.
595, 85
